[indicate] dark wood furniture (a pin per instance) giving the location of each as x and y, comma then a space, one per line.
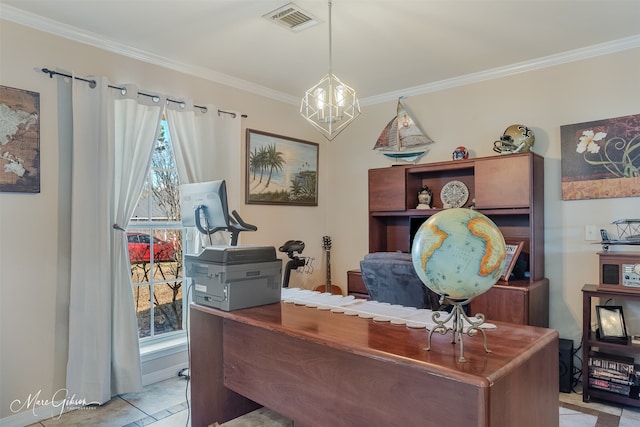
522, 302
325, 369
355, 284
591, 342
509, 189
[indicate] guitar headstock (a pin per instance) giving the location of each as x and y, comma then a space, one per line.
326, 243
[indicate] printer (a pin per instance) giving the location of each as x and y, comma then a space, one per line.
235, 277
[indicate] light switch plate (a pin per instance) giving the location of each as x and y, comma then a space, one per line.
591, 232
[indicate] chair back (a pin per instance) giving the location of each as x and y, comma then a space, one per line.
390, 277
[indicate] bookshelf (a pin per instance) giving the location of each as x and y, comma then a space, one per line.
591, 344
509, 189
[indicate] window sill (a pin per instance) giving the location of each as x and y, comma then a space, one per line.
159, 348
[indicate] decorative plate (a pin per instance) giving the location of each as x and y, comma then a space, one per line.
454, 194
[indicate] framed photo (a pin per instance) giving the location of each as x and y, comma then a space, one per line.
611, 325
513, 251
280, 170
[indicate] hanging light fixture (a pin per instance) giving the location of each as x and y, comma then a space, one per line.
330, 105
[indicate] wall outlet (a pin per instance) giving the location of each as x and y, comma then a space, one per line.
591, 233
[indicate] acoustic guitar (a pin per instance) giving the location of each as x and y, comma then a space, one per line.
328, 287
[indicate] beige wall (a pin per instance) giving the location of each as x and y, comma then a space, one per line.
475, 116
34, 288
34, 274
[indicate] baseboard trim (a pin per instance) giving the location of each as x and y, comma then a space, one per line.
164, 374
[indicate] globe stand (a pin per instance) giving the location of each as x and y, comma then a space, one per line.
458, 317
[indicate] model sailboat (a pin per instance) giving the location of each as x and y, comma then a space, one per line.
402, 138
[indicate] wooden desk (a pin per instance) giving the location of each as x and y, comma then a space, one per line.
325, 369
518, 301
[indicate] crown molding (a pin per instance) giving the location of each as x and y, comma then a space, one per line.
627, 43
72, 33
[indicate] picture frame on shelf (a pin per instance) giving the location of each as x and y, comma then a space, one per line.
611, 326
514, 247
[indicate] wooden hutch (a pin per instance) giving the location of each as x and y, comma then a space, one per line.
509, 189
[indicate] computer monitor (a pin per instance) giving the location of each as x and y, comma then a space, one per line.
204, 205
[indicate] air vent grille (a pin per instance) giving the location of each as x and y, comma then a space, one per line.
291, 17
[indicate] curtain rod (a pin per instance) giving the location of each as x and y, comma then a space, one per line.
92, 84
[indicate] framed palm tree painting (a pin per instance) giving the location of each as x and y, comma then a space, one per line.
280, 170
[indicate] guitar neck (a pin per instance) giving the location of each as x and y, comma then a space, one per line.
329, 269
326, 245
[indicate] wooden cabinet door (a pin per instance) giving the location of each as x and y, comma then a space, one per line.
522, 303
503, 182
503, 305
387, 189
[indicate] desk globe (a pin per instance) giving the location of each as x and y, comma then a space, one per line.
458, 253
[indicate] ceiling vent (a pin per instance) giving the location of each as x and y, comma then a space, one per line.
291, 17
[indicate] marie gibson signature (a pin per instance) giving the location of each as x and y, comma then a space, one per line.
60, 400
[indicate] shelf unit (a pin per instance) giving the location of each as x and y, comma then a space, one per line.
591, 342
509, 189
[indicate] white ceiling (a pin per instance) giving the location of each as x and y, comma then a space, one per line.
382, 48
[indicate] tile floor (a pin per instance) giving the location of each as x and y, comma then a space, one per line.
164, 404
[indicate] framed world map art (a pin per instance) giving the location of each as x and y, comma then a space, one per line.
19, 140
601, 159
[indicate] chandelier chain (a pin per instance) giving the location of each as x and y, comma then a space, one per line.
330, 43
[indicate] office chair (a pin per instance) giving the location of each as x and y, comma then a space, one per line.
390, 277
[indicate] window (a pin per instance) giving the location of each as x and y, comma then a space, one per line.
154, 237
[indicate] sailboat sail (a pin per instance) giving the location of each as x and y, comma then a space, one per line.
402, 138
388, 139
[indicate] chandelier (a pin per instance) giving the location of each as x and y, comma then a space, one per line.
330, 105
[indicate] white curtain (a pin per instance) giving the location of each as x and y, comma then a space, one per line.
113, 136
207, 147
192, 134
137, 124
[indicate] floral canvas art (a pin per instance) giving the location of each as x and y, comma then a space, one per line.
601, 159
